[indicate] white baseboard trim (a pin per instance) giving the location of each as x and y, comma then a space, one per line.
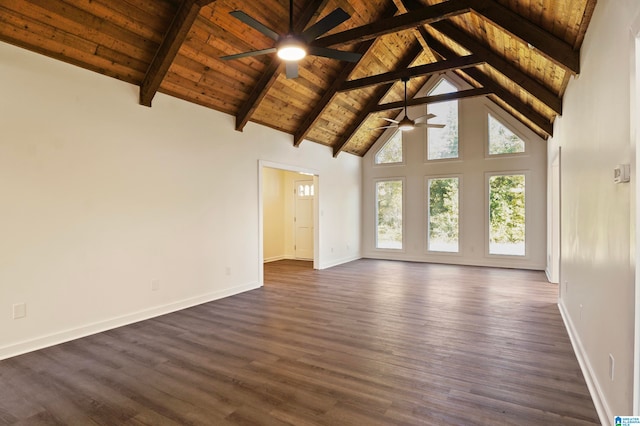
274, 259
98, 327
600, 402
547, 272
456, 260
336, 262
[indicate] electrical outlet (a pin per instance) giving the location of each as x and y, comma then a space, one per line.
612, 366
155, 285
566, 287
19, 310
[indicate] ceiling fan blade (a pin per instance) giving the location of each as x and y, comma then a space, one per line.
327, 23
426, 117
247, 54
240, 15
334, 54
292, 70
390, 119
433, 126
385, 127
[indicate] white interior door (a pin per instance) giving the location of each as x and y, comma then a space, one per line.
303, 219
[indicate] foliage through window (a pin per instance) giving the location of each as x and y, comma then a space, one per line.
507, 215
443, 143
502, 140
389, 214
391, 152
443, 215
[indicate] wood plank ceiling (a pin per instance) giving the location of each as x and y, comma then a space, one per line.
519, 53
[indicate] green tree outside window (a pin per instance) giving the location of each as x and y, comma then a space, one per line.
443, 143
507, 215
391, 152
502, 140
443, 215
389, 214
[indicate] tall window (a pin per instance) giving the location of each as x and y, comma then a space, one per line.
389, 214
391, 152
443, 228
502, 140
507, 215
443, 143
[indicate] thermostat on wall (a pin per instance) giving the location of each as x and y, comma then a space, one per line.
621, 173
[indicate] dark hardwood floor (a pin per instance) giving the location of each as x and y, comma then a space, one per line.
366, 343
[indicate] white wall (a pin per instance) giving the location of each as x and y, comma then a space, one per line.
273, 198
597, 268
101, 197
472, 168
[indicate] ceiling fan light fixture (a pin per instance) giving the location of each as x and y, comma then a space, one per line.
291, 48
406, 124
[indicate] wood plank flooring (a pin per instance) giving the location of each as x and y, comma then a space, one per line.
367, 343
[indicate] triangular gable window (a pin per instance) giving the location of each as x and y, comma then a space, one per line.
391, 152
502, 140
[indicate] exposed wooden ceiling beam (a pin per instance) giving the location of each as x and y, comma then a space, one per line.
203, 3
266, 81
381, 91
553, 48
462, 94
403, 9
513, 101
427, 69
312, 118
270, 74
176, 34
532, 86
405, 21
546, 43
316, 112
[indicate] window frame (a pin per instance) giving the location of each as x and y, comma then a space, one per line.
375, 214
502, 118
432, 85
392, 133
527, 220
426, 193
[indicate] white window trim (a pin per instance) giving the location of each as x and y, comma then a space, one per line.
503, 118
456, 81
426, 215
527, 215
390, 133
428, 88
375, 214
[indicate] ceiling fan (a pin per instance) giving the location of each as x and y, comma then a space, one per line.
292, 47
405, 124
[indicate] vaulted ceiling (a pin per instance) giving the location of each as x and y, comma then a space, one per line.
518, 53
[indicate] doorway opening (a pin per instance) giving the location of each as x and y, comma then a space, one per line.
288, 223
